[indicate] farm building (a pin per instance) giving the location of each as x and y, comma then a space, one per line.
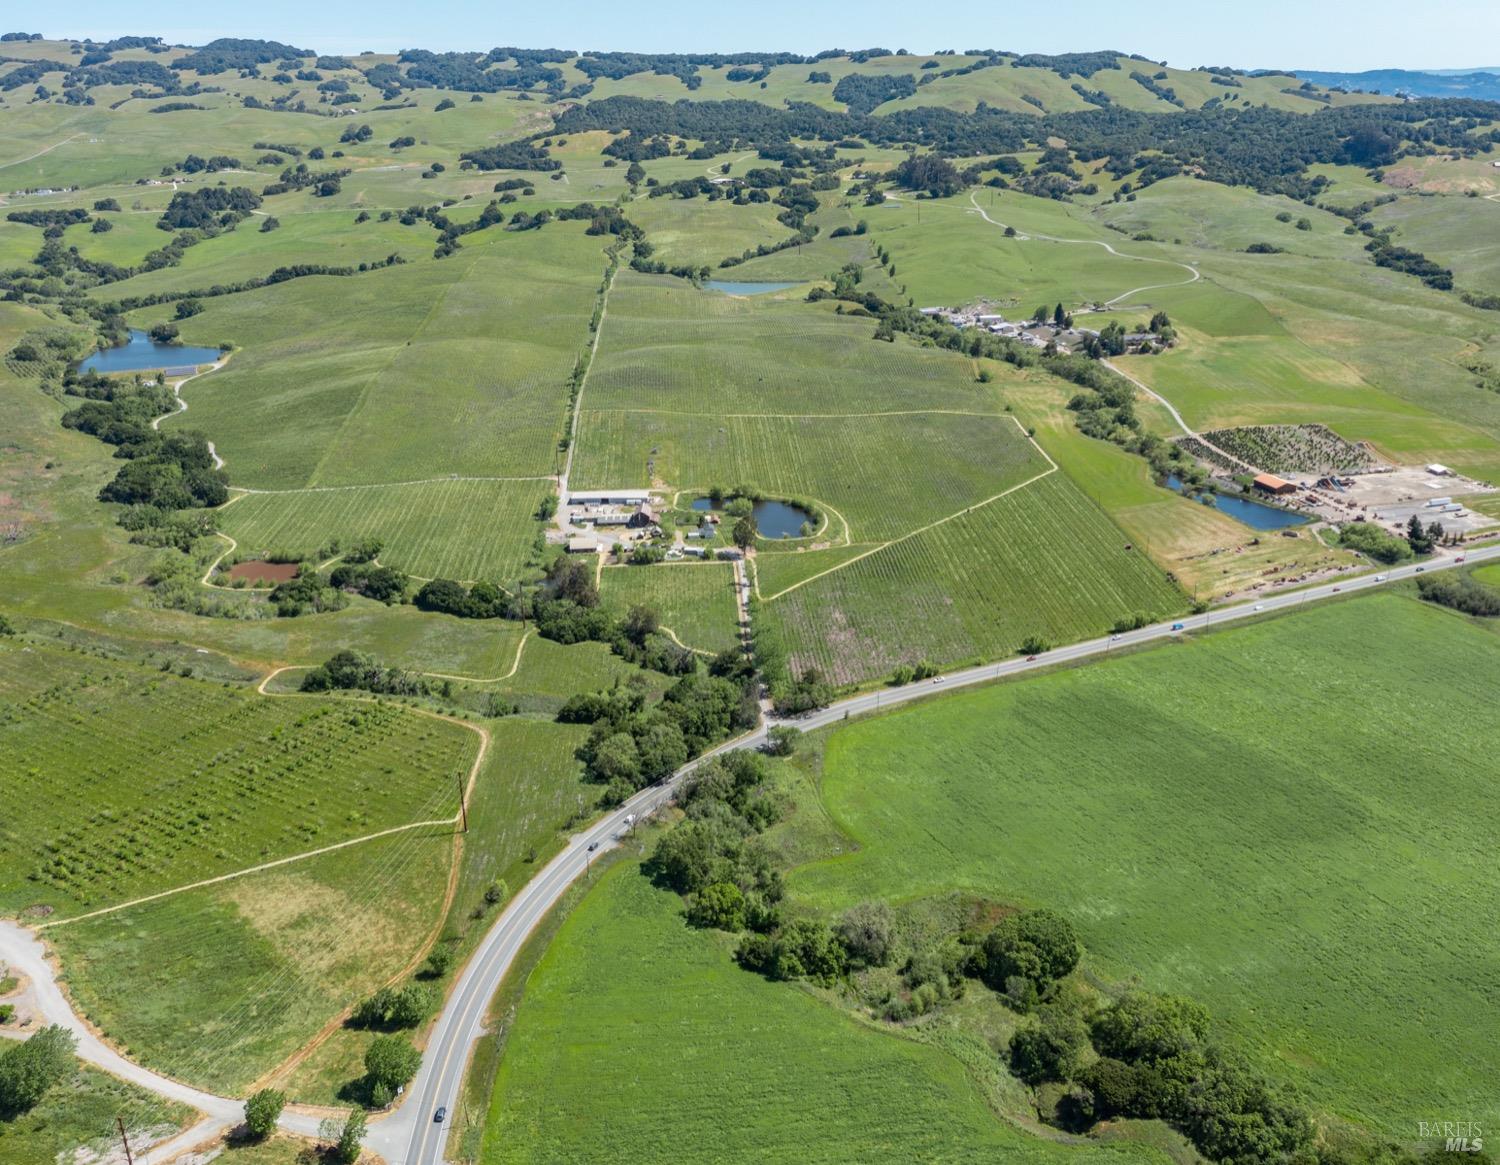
583, 544
1438, 470
609, 497
643, 516
1271, 484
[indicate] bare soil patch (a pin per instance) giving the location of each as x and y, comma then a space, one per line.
266, 572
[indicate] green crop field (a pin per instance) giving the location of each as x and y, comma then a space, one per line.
1043, 560
1288, 861
670, 347
460, 529
458, 367
739, 1068
694, 600
882, 474
171, 780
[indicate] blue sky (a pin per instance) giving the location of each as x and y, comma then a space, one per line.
1312, 34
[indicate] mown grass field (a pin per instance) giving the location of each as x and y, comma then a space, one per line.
694, 600
126, 780
668, 1043
1287, 822
439, 529
1043, 560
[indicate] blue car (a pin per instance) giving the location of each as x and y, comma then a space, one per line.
1178, 627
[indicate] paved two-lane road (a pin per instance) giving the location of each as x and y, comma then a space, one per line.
410, 1136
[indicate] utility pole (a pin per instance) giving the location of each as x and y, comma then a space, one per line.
124, 1140
463, 809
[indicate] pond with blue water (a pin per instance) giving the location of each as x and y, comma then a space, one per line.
730, 287
772, 518
141, 352
1252, 514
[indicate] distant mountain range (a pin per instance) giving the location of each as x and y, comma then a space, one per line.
1483, 83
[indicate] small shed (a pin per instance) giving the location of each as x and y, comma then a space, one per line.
1438, 470
1271, 484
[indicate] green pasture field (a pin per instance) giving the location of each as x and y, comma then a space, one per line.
1044, 560
219, 985
694, 600
1458, 232
697, 231
173, 780
460, 529
458, 367
1265, 819
740, 1068
79, 1116
309, 233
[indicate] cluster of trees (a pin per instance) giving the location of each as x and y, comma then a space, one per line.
1155, 1059
353, 670
714, 858
484, 600
632, 744
208, 206
395, 1008
29, 1070
165, 472
58, 220
228, 52
1462, 592
308, 593
385, 584
1369, 539
862, 92
1387, 254
930, 173
522, 155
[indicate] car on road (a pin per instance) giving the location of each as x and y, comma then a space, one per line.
1336, 590
1460, 558
1177, 627
1260, 606
437, 1117
1031, 659
1380, 578
1421, 570
939, 679
593, 845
